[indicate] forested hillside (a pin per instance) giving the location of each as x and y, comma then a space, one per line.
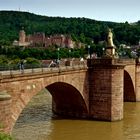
81, 29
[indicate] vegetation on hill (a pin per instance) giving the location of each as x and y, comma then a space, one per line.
88, 31
13, 55
81, 29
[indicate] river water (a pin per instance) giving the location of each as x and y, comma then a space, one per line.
38, 123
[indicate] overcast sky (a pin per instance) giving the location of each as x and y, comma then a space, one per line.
104, 10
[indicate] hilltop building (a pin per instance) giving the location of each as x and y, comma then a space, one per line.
41, 40
22, 39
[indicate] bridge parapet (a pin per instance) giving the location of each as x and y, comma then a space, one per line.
126, 61
104, 62
39, 71
110, 61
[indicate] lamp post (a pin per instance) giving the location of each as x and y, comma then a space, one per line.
69, 53
103, 50
89, 51
58, 53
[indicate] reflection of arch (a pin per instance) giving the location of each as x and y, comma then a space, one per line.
129, 93
67, 100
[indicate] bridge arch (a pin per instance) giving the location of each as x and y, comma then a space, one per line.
129, 92
67, 100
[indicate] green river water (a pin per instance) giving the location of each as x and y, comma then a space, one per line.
38, 123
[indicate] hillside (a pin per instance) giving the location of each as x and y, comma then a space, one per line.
81, 29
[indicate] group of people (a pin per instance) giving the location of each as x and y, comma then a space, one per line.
54, 63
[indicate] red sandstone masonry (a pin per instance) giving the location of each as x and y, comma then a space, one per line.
105, 90
138, 82
99, 91
5, 113
23, 87
117, 94
130, 83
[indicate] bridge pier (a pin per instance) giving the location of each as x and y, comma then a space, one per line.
5, 112
105, 89
138, 81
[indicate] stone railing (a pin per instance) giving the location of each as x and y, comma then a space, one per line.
126, 61
40, 70
110, 61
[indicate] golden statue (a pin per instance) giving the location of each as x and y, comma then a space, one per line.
110, 50
110, 38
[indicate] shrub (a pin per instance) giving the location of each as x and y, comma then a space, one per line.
4, 136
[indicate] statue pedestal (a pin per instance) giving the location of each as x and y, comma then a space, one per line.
110, 52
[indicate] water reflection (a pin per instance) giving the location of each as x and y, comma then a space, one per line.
78, 130
131, 123
37, 123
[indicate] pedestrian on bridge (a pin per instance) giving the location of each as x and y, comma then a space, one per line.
21, 65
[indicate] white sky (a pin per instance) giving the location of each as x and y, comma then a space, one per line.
104, 10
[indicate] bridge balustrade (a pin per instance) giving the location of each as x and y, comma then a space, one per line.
30, 69
126, 61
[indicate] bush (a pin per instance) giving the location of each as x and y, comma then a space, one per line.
4, 136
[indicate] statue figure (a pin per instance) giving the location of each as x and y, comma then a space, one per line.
110, 38
110, 50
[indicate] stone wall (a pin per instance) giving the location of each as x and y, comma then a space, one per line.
105, 90
137, 82
5, 112
129, 83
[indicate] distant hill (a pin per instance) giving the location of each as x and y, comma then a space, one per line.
81, 29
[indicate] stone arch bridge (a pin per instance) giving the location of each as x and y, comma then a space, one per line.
95, 91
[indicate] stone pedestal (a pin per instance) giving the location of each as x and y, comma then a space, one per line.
105, 89
110, 51
5, 112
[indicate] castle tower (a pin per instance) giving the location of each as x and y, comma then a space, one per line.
22, 36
